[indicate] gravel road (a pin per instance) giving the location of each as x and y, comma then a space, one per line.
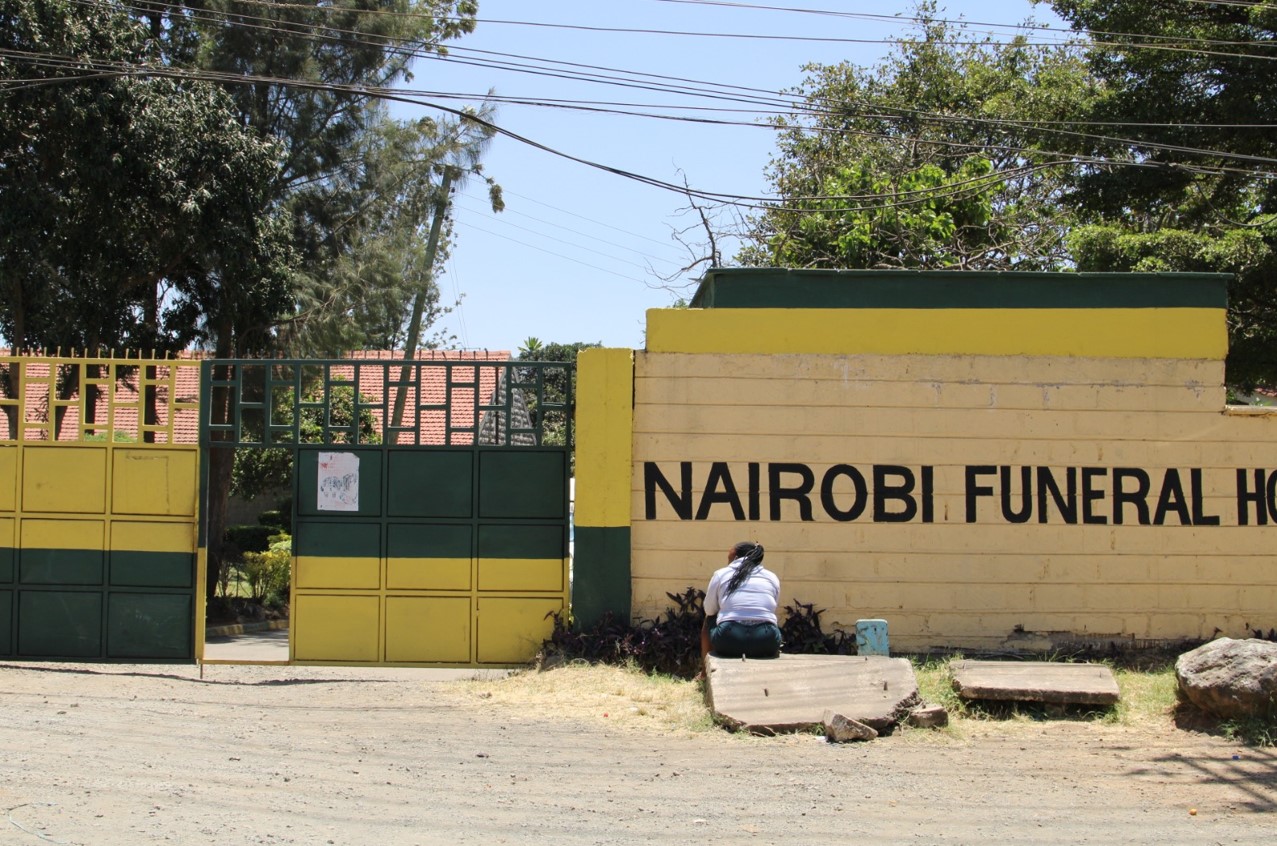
103, 755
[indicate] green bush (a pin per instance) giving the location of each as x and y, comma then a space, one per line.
268, 574
671, 644
250, 538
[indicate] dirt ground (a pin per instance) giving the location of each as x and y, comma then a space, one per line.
270, 755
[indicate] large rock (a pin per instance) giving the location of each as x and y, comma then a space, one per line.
1230, 678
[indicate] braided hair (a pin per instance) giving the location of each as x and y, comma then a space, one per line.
751, 559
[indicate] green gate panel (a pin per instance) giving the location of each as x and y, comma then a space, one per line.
6, 564
149, 625
430, 483
369, 483
523, 484
429, 540
6, 622
338, 540
130, 568
61, 566
521, 542
59, 624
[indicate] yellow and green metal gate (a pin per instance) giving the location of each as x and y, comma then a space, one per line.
430, 507
98, 481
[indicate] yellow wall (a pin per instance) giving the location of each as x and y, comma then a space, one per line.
947, 581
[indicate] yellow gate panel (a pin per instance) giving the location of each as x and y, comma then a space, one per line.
428, 629
63, 534
142, 536
428, 573
538, 574
8, 478
159, 482
61, 479
336, 628
512, 629
316, 572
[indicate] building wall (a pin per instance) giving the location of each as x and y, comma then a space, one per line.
891, 484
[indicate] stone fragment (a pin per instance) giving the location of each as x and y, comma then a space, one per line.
840, 729
928, 716
1230, 678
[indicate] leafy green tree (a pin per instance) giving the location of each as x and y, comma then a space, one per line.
338, 174
929, 159
559, 386
380, 257
131, 208
1186, 184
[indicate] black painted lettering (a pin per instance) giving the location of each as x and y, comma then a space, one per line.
1246, 496
1172, 499
860, 491
928, 494
1092, 495
1271, 490
1026, 495
1138, 498
681, 501
799, 493
974, 489
719, 487
1200, 517
1066, 503
885, 492
754, 488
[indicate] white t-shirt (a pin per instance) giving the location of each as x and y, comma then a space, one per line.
753, 602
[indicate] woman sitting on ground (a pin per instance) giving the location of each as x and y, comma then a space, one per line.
740, 607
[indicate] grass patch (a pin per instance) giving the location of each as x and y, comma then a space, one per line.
1252, 731
622, 696
1147, 698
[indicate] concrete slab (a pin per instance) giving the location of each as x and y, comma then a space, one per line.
1036, 681
793, 692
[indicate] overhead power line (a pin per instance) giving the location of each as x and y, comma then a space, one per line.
870, 200
1146, 41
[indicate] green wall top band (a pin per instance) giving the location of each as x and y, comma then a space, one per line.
764, 287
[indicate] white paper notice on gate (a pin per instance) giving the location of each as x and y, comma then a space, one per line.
338, 488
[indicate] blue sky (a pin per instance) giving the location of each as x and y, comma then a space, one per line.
577, 254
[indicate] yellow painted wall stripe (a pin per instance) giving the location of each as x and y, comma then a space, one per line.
604, 426
1189, 333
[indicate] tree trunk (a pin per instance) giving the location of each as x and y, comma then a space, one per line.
221, 461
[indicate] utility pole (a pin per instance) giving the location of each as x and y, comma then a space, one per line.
419, 304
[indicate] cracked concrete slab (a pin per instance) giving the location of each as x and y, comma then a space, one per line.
793, 692
1036, 681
